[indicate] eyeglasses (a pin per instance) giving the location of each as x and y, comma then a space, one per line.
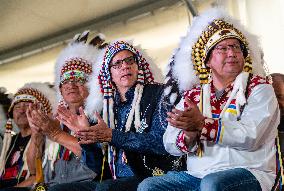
77, 82
118, 64
223, 49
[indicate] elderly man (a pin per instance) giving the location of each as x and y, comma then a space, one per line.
13, 163
227, 123
63, 161
134, 118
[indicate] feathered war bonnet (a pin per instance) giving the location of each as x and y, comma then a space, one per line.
188, 64
44, 94
76, 61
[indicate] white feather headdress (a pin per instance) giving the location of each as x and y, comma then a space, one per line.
78, 57
77, 51
181, 66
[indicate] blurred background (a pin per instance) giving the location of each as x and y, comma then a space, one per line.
33, 32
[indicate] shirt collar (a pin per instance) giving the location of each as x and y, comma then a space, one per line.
129, 96
226, 90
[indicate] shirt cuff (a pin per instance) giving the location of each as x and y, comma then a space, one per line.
181, 144
213, 130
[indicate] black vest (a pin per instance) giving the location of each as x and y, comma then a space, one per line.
145, 165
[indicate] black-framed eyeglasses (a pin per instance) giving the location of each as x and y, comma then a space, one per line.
118, 64
223, 49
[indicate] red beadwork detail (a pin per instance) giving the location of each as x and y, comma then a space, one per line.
180, 143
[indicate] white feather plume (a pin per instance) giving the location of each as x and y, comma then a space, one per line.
94, 101
173, 98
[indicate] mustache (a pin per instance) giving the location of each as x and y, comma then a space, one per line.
126, 74
231, 60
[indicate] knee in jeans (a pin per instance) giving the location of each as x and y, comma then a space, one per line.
210, 183
145, 185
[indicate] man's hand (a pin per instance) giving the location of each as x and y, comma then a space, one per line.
37, 138
52, 129
33, 107
191, 119
96, 133
41, 123
73, 121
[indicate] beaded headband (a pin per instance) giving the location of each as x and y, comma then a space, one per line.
76, 61
75, 69
30, 95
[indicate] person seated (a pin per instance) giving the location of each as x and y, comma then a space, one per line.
13, 159
63, 160
133, 121
226, 122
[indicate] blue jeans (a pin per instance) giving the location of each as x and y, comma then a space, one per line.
238, 179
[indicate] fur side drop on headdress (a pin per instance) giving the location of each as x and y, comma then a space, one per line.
45, 95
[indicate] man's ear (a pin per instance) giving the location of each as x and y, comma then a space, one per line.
60, 89
208, 59
208, 63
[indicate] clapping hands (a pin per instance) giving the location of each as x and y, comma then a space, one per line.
191, 119
97, 133
41, 123
73, 121
80, 125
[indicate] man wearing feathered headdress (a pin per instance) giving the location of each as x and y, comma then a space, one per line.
13, 160
226, 122
134, 117
63, 159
